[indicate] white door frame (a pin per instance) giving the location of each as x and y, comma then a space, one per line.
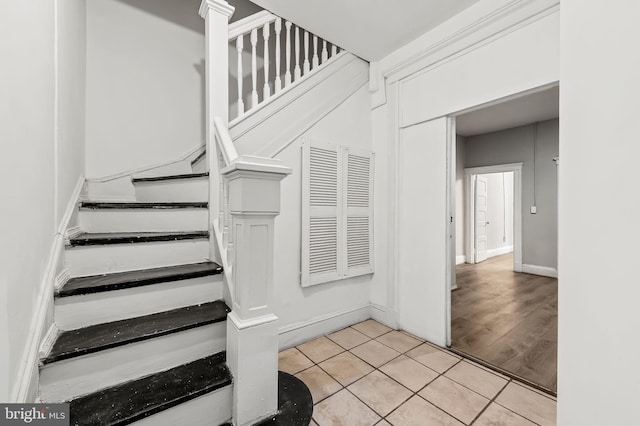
469, 191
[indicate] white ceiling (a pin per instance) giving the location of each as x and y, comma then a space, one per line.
539, 106
370, 29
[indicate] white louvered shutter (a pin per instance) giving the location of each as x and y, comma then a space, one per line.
321, 213
358, 214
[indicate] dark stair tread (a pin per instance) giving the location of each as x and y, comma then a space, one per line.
88, 239
108, 335
131, 401
295, 404
199, 157
169, 177
129, 279
162, 205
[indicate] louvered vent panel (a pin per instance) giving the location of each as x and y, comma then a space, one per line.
358, 181
357, 241
323, 245
323, 177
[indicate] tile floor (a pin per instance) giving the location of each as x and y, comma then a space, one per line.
369, 374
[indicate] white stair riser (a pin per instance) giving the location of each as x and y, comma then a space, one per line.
82, 311
70, 378
193, 189
104, 259
213, 408
143, 220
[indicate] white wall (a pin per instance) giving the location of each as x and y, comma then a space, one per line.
40, 164
499, 212
539, 231
349, 124
598, 370
145, 83
521, 58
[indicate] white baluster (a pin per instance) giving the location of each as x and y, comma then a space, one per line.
306, 66
296, 71
325, 54
287, 74
334, 50
316, 60
266, 91
254, 68
278, 81
239, 47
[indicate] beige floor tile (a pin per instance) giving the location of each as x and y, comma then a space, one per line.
348, 338
344, 409
346, 368
293, 361
477, 379
496, 415
383, 423
380, 392
412, 335
320, 349
433, 358
529, 404
371, 328
375, 353
319, 383
455, 399
398, 341
313, 423
409, 373
418, 412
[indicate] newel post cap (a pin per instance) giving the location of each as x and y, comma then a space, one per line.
220, 6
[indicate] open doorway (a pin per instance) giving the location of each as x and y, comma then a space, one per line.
504, 291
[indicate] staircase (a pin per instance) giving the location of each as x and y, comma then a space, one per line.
166, 316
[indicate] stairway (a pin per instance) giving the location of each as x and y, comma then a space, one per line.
142, 323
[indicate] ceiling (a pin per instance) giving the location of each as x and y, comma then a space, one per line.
370, 29
539, 106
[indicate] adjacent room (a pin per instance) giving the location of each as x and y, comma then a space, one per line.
504, 304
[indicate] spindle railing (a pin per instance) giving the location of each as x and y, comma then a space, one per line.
266, 30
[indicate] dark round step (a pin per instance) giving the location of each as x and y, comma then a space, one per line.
295, 405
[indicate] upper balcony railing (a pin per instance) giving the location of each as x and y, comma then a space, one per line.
267, 36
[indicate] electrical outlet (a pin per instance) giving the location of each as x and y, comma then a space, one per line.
533, 209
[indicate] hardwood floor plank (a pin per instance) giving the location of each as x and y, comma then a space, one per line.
507, 319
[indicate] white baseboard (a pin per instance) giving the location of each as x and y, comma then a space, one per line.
294, 334
499, 251
461, 259
384, 315
26, 386
545, 271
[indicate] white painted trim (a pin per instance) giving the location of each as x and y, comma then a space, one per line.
499, 251
72, 232
27, 378
296, 333
384, 315
460, 259
469, 173
450, 235
48, 341
219, 6
193, 152
62, 278
545, 271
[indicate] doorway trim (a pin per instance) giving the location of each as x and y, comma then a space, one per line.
469, 190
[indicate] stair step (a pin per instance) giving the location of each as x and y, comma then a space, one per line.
94, 205
83, 341
295, 404
169, 177
122, 280
90, 239
128, 402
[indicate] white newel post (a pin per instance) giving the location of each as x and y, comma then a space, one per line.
252, 326
216, 14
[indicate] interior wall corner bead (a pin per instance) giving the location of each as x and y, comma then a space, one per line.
337, 212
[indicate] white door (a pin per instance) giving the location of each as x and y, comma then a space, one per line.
481, 219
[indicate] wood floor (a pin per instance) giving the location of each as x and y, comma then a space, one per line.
507, 319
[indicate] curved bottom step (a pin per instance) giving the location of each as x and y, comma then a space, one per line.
295, 405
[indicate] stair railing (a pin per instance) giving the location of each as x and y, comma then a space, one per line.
304, 53
244, 200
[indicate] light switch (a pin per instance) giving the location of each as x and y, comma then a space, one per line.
533, 209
